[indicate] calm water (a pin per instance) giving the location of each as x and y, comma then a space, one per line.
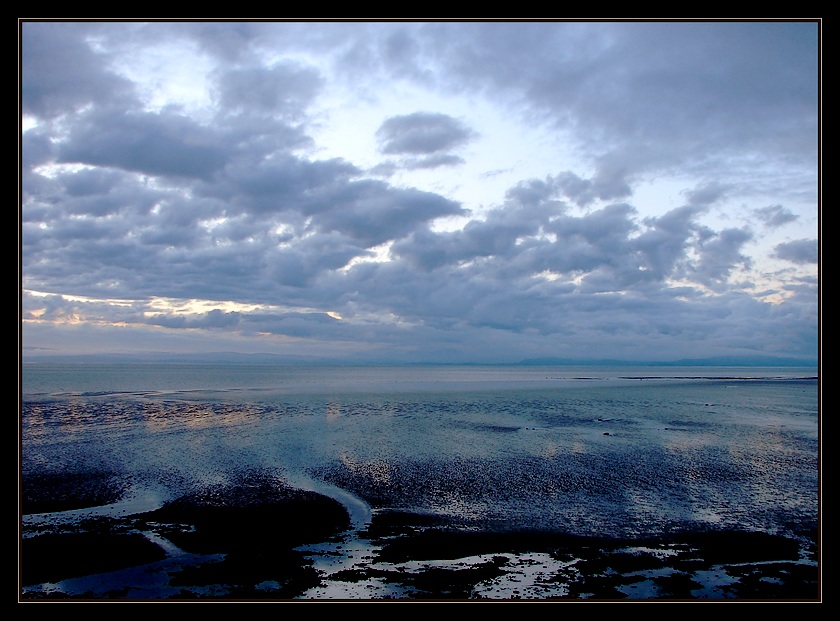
589, 450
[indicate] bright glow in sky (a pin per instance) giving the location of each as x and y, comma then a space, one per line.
421, 191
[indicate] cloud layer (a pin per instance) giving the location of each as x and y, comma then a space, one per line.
176, 193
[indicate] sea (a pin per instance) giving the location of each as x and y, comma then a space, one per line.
589, 450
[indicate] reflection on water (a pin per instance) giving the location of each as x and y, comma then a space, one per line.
511, 448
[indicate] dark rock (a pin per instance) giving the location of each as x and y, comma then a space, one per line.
55, 557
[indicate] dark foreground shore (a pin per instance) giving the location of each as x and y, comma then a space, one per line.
248, 541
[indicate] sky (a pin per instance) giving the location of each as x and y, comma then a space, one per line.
487, 191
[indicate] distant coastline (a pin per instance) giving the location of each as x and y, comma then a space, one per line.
267, 358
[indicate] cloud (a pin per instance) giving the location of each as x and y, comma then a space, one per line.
567, 187
664, 244
212, 319
60, 73
607, 184
227, 41
720, 255
650, 93
37, 148
284, 89
424, 134
154, 144
433, 161
280, 182
373, 213
775, 215
706, 193
800, 251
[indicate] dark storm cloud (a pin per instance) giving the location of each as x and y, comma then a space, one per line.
422, 133
800, 251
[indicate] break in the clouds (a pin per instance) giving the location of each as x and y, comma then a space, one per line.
421, 191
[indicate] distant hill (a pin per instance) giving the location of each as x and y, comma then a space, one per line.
716, 361
203, 358
268, 358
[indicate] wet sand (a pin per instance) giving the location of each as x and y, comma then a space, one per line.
259, 539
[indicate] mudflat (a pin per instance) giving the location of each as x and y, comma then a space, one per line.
260, 539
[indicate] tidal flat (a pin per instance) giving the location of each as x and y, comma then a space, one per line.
431, 484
